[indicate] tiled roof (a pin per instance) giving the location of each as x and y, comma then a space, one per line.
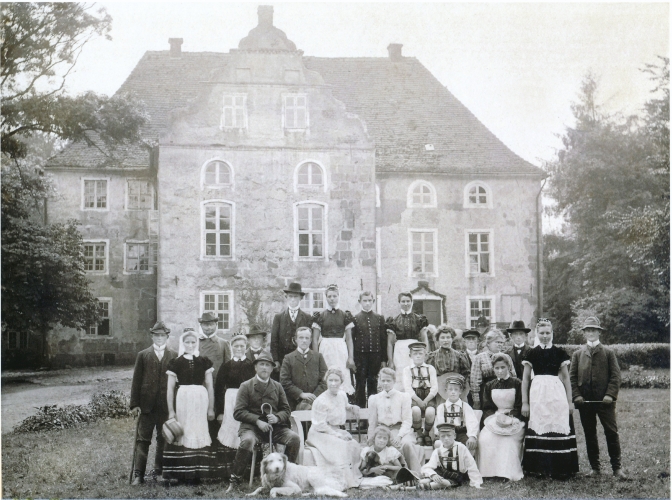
402, 103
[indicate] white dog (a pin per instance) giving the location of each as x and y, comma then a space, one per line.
284, 478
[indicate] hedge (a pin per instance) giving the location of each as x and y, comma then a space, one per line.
644, 355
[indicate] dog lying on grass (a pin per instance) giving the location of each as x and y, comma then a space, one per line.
284, 478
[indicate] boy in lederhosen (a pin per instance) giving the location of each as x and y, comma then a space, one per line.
421, 383
457, 412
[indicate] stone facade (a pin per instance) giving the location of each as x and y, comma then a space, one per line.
274, 167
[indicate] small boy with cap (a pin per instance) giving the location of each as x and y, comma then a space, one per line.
421, 384
471, 338
450, 465
148, 400
457, 412
518, 334
255, 338
596, 378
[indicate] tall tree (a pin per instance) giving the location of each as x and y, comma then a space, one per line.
43, 279
613, 172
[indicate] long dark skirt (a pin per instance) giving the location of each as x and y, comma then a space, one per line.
186, 464
552, 453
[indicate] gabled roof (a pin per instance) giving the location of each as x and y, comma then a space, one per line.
402, 103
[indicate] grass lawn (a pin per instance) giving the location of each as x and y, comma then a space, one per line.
93, 461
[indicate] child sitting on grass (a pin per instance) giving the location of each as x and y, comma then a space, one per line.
421, 384
389, 459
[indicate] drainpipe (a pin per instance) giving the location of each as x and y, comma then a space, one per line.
540, 292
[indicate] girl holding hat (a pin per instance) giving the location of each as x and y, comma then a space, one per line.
500, 443
550, 442
189, 457
481, 370
332, 337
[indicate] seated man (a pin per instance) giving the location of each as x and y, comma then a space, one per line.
302, 373
255, 425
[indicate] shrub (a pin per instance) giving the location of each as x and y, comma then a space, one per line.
639, 380
646, 355
114, 404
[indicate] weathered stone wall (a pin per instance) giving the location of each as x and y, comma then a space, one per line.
133, 295
512, 219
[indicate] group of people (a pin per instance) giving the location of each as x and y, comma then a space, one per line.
487, 413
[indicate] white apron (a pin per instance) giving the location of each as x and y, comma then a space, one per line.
228, 432
335, 353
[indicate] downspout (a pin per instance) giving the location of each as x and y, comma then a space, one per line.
540, 291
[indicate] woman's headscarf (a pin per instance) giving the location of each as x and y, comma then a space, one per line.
500, 356
186, 333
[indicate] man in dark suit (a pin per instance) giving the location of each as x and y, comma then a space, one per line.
596, 378
148, 400
257, 424
519, 349
285, 324
302, 373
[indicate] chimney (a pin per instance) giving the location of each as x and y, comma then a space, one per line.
265, 13
175, 47
394, 51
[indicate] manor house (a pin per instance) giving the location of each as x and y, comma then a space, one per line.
263, 166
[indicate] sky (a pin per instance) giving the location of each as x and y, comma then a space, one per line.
517, 67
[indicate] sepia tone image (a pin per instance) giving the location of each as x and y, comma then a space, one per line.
377, 250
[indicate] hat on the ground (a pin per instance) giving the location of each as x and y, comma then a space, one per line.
264, 356
294, 288
255, 330
446, 427
160, 327
471, 333
172, 431
517, 326
208, 317
591, 322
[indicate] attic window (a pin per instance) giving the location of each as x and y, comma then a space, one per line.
234, 112
295, 115
429, 147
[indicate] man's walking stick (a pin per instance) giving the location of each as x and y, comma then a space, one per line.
135, 441
270, 432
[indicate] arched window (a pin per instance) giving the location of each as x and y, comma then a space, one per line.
218, 230
310, 174
421, 194
477, 195
217, 174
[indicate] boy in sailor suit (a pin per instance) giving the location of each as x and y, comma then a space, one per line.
421, 383
458, 413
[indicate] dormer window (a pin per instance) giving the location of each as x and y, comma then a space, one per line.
234, 112
295, 116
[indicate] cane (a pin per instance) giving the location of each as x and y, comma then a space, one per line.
270, 432
135, 441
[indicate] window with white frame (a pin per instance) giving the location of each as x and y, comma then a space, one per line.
310, 230
95, 257
140, 195
310, 174
221, 304
479, 249
102, 329
480, 307
296, 111
18, 340
234, 113
217, 230
423, 252
421, 194
477, 195
94, 194
313, 301
136, 257
217, 174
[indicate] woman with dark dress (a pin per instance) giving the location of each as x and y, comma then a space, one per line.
550, 442
190, 457
332, 337
229, 377
481, 369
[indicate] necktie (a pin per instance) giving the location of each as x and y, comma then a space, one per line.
159, 354
293, 313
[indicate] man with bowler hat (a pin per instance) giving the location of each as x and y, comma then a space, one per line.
286, 323
596, 378
217, 350
519, 349
256, 425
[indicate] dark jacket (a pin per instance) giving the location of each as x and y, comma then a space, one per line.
595, 375
299, 374
250, 355
518, 360
370, 334
150, 382
283, 332
251, 396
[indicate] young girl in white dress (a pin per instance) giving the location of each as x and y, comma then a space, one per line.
332, 337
